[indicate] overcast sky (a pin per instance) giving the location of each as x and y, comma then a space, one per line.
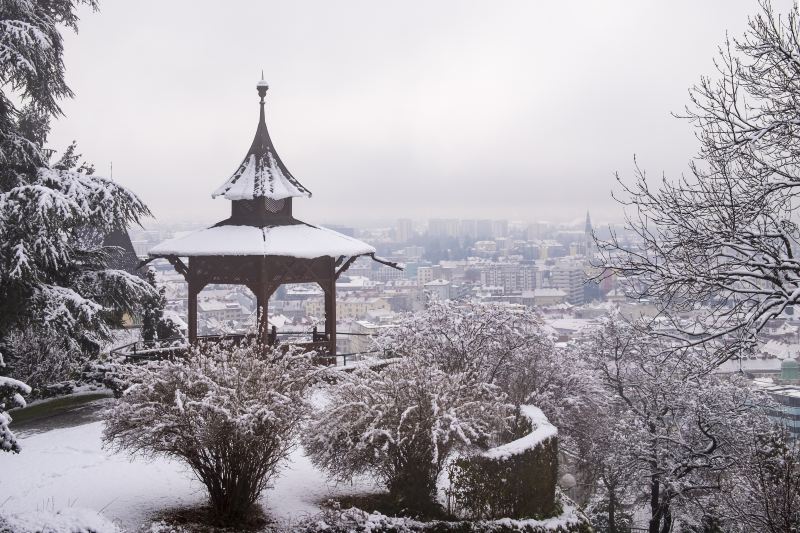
421, 109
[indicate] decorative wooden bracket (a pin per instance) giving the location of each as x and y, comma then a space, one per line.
178, 265
345, 266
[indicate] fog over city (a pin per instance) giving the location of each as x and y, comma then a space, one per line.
519, 110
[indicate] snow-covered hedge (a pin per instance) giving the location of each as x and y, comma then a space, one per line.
355, 520
71, 520
515, 480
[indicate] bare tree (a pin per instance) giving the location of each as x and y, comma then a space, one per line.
717, 248
763, 494
673, 431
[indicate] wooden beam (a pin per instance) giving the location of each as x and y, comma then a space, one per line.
179, 266
385, 262
192, 315
330, 311
345, 266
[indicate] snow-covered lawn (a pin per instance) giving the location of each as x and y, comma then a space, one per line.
68, 467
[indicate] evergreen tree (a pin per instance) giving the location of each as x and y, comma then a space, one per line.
153, 313
54, 271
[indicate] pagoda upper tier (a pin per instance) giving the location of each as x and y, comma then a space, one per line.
261, 174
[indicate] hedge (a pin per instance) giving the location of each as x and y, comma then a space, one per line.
516, 480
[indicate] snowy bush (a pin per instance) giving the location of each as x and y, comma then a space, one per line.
41, 359
402, 423
507, 346
231, 413
11, 392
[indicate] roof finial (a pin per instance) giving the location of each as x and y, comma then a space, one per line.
262, 87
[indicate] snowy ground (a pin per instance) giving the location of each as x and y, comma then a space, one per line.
67, 467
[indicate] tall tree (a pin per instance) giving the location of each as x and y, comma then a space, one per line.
676, 430
54, 270
721, 243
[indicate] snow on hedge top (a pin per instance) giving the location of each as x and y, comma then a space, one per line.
542, 431
303, 241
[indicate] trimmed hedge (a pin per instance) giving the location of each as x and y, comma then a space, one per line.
517, 484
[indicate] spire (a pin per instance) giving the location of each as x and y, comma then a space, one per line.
261, 174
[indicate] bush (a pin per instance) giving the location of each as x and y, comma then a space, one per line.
231, 413
401, 424
516, 480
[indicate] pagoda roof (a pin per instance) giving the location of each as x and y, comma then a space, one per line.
299, 240
261, 173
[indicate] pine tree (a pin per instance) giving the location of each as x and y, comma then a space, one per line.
54, 271
153, 313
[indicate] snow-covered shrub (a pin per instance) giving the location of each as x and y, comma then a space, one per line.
515, 480
112, 372
11, 392
231, 413
42, 360
507, 346
401, 424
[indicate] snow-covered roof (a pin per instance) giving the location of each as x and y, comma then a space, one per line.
297, 240
261, 173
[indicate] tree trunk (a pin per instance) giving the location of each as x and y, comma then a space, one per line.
655, 508
666, 525
612, 519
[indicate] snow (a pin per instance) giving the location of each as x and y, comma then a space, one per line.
65, 468
257, 177
543, 430
298, 240
69, 520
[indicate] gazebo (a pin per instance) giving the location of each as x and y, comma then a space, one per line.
261, 245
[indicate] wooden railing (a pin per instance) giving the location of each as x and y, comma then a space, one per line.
160, 348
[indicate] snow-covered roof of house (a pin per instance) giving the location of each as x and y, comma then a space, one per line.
296, 240
261, 173
549, 293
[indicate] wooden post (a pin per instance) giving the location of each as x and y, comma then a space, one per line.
194, 290
330, 314
263, 326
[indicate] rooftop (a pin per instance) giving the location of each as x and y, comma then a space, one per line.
296, 240
261, 174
